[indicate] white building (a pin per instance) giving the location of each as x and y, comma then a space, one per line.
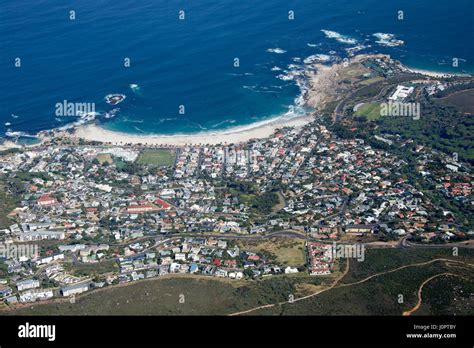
74, 289
401, 93
291, 270
49, 259
72, 248
27, 284
36, 294
41, 235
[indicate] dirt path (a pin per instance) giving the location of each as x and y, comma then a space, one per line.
403, 267
335, 284
297, 299
420, 290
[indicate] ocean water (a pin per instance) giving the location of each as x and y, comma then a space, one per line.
191, 62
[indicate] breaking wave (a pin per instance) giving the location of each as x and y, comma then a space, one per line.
388, 40
339, 37
276, 50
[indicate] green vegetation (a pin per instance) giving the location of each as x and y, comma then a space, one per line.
462, 100
466, 85
203, 296
10, 151
441, 126
379, 295
281, 203
370, 110
208, 296
434, 297
261, 203
265, 202
119, 164
7, 204
371, 80
157, 157
92, 269
354, 72
380, 260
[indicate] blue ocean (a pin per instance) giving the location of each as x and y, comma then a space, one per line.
217, 64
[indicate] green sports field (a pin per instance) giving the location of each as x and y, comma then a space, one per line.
370, 110
157, 157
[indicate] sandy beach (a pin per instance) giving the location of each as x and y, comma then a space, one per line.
6, 145
435, 74
324, 88
429, 73
235, 135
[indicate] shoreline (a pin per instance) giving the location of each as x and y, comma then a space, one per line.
320, 92
8, 144
436, 74
94, 132
315, 97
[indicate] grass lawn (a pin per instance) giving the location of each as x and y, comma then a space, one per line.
370, 110
157, 158
355, 70
245, 198
92, 269
371, 80
104, 157
286, 251
119, 163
